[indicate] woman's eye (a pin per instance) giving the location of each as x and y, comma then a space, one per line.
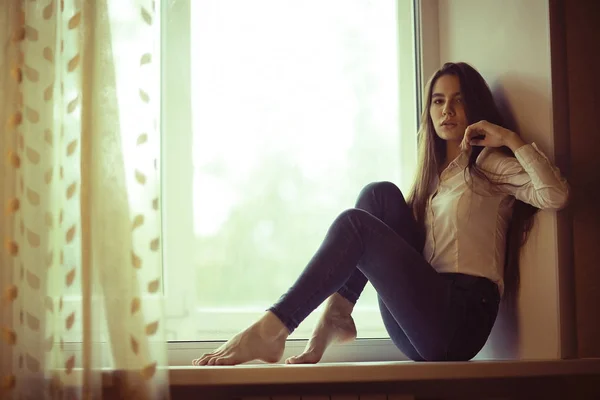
437, 101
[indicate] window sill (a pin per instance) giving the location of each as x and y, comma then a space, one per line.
369, 372
377, 372
551, 379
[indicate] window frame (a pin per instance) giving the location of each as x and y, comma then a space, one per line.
175, 72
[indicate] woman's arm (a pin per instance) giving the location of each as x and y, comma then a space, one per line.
530, 177
533, 179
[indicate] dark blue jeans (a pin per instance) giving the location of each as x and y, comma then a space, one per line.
430, 316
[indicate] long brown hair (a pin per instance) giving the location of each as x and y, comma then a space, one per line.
479, 105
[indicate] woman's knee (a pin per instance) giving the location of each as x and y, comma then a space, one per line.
350, 214
385, 188
350, 220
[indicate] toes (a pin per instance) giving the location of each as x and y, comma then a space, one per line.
292, 360
204, 359
310, 357
219, 361
199, 361
301, 359
225, 361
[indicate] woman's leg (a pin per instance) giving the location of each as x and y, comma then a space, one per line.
385, 201
415, 294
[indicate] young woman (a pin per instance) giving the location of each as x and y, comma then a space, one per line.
441, 261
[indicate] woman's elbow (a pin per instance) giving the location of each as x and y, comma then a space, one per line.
557, 199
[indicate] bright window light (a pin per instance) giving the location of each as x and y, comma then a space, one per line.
290, 109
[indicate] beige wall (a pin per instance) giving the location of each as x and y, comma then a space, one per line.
508, 41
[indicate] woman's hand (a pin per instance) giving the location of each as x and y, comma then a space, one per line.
484, 133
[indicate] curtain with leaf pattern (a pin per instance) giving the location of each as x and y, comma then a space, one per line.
81, 275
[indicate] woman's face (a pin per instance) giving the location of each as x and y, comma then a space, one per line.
447, 109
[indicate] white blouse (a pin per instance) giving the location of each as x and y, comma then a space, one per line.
467, 225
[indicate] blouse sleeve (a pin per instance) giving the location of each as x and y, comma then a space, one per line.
533, 179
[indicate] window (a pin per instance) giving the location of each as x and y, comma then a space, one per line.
275, 113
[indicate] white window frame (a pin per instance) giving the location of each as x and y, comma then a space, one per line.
176, 118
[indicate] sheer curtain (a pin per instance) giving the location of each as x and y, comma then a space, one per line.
81, 278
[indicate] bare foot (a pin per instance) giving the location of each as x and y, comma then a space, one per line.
335, 326
264, 340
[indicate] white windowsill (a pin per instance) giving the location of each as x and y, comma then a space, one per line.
377, 372
364, 372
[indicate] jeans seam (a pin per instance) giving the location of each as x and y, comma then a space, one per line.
323, 283
446, 347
